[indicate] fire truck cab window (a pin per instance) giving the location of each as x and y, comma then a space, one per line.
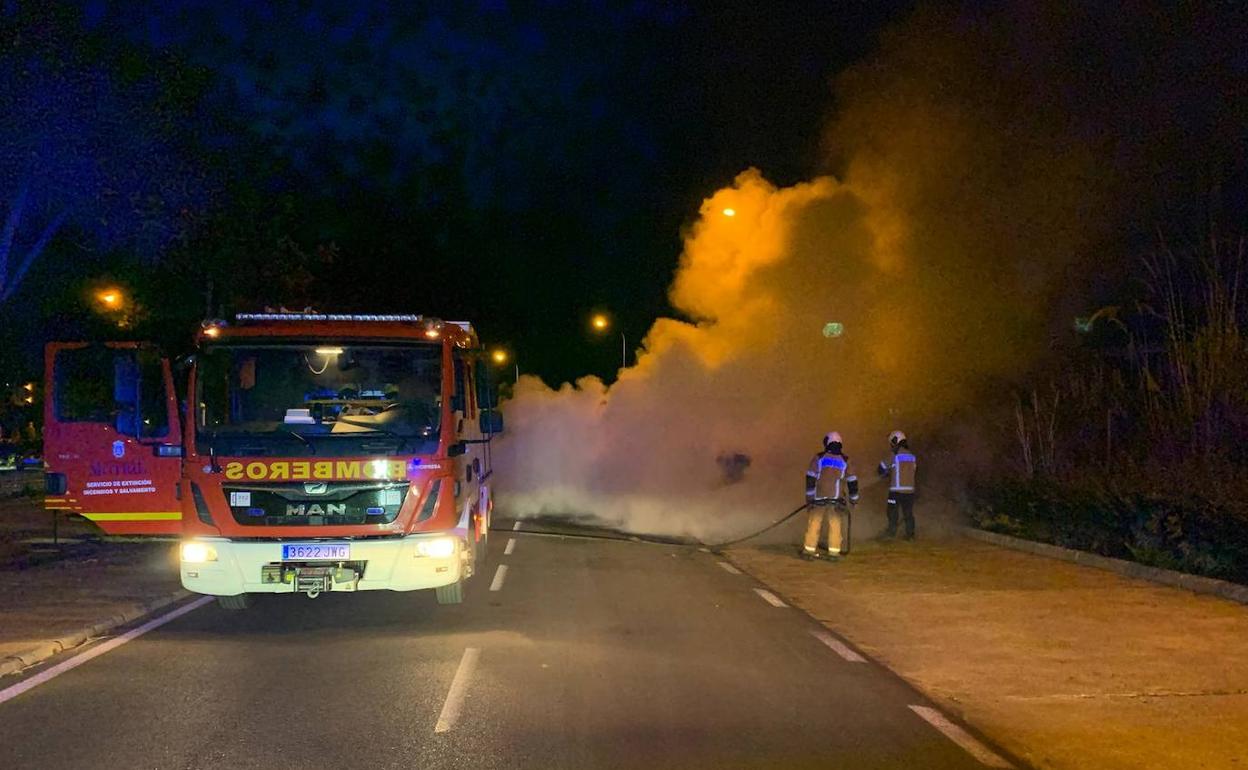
265, 397
124, 388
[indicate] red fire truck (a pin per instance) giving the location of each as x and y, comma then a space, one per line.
306, 453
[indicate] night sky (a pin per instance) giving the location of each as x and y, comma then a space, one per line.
515, 164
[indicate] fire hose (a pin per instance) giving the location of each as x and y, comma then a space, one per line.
837, 502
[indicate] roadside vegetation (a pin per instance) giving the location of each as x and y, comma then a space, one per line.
1131, 444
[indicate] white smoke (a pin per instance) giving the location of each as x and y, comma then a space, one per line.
980, 169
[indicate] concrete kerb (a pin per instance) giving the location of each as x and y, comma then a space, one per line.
1195, 583
15, 663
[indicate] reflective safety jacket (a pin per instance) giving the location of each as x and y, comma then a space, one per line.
900, 470
830, 477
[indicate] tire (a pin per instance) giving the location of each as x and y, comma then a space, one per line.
240, 602
452, 594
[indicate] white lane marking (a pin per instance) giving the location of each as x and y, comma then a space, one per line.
499, 576
516, 527
969, 744
731, 570
511, 546
770, 598
10, 693
459, 688
839, 647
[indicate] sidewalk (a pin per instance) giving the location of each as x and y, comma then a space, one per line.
98, 582
1065, 666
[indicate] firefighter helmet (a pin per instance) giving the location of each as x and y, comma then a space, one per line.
896, 439
832, 438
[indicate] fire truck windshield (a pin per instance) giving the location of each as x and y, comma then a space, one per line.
319, 398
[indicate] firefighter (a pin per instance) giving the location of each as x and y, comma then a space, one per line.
900, 470
831, 487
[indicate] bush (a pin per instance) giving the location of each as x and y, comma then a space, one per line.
1173, 531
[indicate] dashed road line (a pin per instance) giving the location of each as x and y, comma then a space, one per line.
516, 527
770, 598
499, 576
731, 570
839, 647
511, 546
969, 744
10, 693
459, 688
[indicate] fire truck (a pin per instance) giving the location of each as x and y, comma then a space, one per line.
291, 453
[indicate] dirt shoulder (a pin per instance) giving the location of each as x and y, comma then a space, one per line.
50, 591
1066, 666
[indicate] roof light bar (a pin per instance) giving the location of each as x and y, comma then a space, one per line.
403, 318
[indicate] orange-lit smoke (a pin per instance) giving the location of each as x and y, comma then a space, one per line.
966, 196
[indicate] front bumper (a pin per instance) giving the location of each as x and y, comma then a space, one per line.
389, 565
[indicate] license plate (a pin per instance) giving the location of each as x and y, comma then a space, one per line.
312, 551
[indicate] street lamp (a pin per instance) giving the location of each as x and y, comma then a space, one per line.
111, 298
500, 358
601, 323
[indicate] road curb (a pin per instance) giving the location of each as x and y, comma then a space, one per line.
13, 663
1195, 583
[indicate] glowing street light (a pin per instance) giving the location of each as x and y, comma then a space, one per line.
601, 323
500, 357
111, 298
730, 212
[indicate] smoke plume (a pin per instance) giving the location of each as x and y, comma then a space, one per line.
975, 170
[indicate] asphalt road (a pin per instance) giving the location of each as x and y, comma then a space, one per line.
585, 654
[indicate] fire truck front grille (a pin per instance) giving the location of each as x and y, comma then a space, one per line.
313, 505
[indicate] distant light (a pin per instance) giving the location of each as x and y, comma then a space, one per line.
499, 356
29, 386
432, 333
329, 351
111, 298
212, 331
833, 329
1083, 324
600, 322
730, 212
30, 399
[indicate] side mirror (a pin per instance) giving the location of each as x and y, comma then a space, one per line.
456, 449
491, 421
487, 394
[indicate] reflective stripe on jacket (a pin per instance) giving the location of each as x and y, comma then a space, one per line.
900, 471
831, 476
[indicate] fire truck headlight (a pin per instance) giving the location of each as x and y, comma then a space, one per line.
438, 548
198, 553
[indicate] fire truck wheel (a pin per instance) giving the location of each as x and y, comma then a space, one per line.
240, 602
452, 594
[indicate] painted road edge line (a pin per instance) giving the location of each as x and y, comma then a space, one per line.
16, 662
9, 693
511, 546
969, 744
839, 647
731, 570
459, 688
499, 576
770, 598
